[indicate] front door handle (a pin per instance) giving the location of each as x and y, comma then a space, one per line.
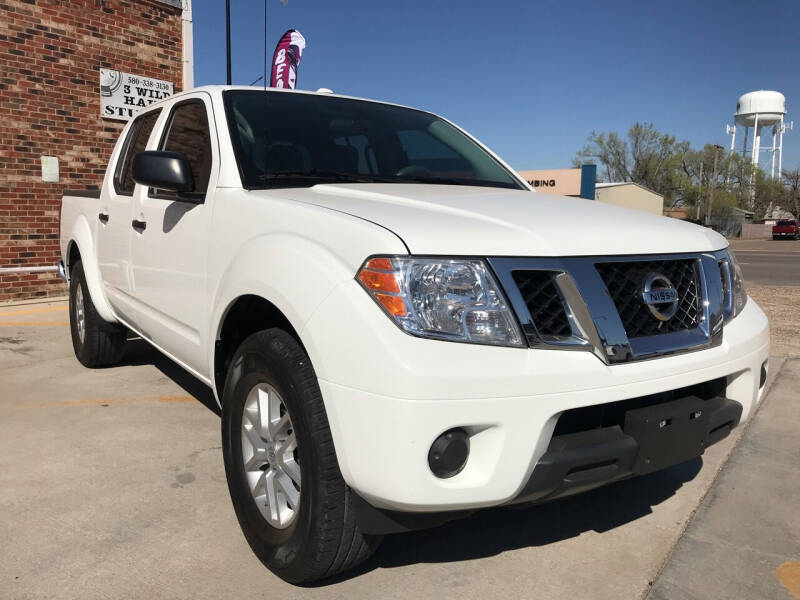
103, 217
139, 226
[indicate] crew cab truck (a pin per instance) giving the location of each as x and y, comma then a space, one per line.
786, 229
393, 322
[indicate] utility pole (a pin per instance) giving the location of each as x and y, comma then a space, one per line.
228, 39
713, 184
699, 192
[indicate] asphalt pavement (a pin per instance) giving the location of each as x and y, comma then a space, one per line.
112, 486
769, 262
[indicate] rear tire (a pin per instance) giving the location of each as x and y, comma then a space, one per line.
312, 532
97, 343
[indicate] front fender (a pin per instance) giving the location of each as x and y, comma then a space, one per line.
293, 272
81, 235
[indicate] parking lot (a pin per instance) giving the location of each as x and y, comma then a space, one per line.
113, 486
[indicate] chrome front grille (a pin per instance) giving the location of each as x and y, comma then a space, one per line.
623, 281
598, 303
538, 288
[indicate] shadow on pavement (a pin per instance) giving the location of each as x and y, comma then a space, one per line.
139, 352
493, 531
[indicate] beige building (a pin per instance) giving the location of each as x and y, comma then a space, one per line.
562, 182
573, 182
630, 195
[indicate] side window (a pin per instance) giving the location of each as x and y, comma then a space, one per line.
187, 133
136, 142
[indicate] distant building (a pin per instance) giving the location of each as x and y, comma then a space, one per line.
581, 183
684, 214
630, 195
563, 182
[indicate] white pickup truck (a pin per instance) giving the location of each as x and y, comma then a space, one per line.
398, 330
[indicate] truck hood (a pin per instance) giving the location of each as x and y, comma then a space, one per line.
481, 221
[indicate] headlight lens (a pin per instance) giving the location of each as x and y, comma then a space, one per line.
446, 299
733, 286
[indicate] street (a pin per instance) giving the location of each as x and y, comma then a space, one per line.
769, 262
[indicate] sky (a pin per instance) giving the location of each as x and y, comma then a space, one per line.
530, 79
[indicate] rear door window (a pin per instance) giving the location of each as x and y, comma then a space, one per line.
136, 142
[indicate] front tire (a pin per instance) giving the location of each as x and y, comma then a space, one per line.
97, 343
293, 506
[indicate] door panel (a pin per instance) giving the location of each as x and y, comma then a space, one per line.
114, 216
169, 255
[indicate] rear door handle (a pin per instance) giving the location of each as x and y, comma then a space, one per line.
139, 226
103, 217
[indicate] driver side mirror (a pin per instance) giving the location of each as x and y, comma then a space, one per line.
163, 170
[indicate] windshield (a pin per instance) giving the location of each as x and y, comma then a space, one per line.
785, 223
292, 139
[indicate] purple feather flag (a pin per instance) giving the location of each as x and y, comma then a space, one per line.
287, 57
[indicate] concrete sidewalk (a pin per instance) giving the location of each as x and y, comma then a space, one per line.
744, 540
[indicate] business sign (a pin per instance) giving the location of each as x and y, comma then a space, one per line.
122, 95
563, 182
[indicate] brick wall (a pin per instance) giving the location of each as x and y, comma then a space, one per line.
50, 55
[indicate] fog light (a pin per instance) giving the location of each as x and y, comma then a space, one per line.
448, 453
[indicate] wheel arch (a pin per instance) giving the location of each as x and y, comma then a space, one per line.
81, 247
73, 255
244, 315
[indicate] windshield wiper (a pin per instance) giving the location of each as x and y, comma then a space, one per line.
318, 175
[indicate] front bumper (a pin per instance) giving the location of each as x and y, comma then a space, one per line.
388, 395
652, 438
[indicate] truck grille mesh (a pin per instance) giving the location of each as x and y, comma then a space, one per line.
624, 282
544, 302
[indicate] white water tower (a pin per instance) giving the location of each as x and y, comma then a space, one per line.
756, 110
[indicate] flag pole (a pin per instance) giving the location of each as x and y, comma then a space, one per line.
265, 45
228, 39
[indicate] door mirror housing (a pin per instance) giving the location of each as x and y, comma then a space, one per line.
163, 170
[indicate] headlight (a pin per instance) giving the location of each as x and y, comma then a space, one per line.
733, 285
457, 300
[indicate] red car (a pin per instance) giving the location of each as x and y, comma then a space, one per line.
785, 229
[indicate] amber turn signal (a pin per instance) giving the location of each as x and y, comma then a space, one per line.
375, 280
379, 279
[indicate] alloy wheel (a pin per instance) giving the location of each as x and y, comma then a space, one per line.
269, 452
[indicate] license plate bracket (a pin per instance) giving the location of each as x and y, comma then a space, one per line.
668, 433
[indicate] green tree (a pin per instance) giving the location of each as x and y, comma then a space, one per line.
684, 176
645, 156
767, 195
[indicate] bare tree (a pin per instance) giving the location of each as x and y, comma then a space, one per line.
791, 181
646, 157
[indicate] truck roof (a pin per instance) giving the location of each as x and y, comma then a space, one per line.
217, 90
